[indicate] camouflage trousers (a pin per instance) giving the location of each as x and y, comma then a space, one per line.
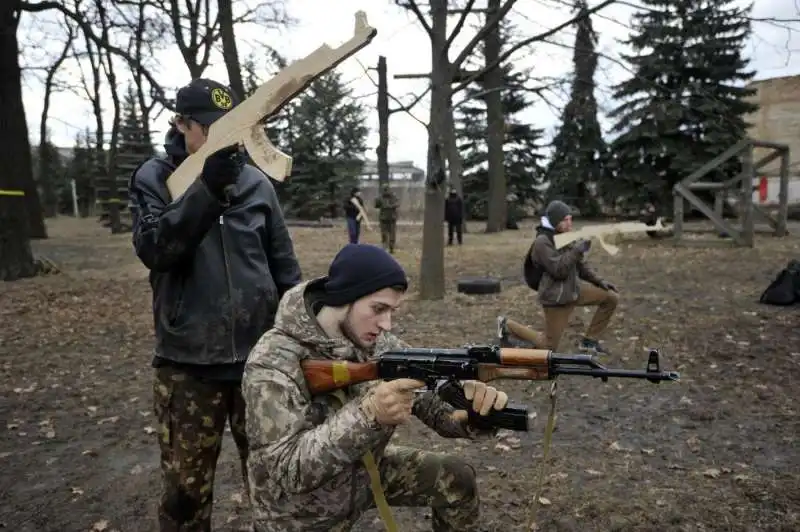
191, 415
443, 482
388, 234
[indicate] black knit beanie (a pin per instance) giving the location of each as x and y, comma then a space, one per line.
359, 270
556, 212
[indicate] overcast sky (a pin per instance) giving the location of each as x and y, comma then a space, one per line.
774, 52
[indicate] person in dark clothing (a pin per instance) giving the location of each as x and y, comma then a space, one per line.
353, 215
454, 216
220, 258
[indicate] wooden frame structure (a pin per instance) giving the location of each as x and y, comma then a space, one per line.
741, 187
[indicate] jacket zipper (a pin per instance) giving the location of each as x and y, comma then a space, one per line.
230, 286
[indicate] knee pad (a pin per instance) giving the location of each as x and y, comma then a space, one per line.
461, 477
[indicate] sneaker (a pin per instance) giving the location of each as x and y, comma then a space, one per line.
502, 332
594, 346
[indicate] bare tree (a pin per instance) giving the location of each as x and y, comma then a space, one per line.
44, 149
16, 257
447, 78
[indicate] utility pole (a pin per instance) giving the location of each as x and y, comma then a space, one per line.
383, 125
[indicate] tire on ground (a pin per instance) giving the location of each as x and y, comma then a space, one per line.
479, 285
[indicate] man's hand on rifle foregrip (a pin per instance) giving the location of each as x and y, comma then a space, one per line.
390, 402
483, 398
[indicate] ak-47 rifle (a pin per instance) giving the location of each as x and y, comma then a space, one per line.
441, 369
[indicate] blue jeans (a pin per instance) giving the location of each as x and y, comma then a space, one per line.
353, 230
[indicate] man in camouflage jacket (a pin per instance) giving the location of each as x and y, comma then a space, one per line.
388, 204
305, 465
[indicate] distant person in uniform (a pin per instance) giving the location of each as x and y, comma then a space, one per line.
220, 259
387, 204
353, 215
454, 216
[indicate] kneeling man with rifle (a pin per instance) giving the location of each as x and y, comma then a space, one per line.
319, 460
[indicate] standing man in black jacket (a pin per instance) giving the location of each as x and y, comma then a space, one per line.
454, 216
220, 258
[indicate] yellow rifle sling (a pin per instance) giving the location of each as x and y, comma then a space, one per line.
381, 503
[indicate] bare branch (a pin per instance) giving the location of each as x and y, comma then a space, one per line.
527, 42
490, 25
412, 6
460, 24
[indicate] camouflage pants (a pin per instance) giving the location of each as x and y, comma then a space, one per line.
388, 233
443, 482
191, 415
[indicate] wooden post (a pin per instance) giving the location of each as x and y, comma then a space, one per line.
677, 215
746, 214
383, 125
782, 228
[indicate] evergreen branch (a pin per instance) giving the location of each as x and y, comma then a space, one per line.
489, 26
527, 42
460, 24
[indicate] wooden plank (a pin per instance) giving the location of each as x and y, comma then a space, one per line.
782, 228
746, 206
767, 144
677, 215
716, 161
764, 161
700, 205
707, 185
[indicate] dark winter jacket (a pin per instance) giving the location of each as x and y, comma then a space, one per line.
217, 272
453, 209
563, 269
350, 210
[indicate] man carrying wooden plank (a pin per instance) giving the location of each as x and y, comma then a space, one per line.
566, 281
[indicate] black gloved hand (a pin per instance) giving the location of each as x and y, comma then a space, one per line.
583, 245
605, 285
221, 169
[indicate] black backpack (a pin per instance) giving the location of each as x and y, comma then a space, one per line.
533, 272
784, 290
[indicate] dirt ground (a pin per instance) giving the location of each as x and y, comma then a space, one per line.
718, 450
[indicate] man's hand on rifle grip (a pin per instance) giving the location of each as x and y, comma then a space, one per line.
483, 398
390, 402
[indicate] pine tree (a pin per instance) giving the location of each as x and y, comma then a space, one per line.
523, 159
686, 100
134, 142
329, 140
577, 167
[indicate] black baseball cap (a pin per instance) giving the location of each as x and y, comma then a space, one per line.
205, 101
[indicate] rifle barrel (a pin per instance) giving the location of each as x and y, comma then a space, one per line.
653, 376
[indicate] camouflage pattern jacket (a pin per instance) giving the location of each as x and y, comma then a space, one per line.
305, 466
387, 204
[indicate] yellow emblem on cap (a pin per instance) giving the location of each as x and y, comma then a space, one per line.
221, 98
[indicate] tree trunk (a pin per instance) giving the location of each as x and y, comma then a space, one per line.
495, 121
229, 52
16, 258
431, 277
383, 125
455, 165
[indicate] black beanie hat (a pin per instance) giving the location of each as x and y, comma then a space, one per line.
359, 270
556, 212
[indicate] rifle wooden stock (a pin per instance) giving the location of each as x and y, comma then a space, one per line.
324, 376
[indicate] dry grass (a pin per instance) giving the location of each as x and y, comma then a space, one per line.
717, 451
